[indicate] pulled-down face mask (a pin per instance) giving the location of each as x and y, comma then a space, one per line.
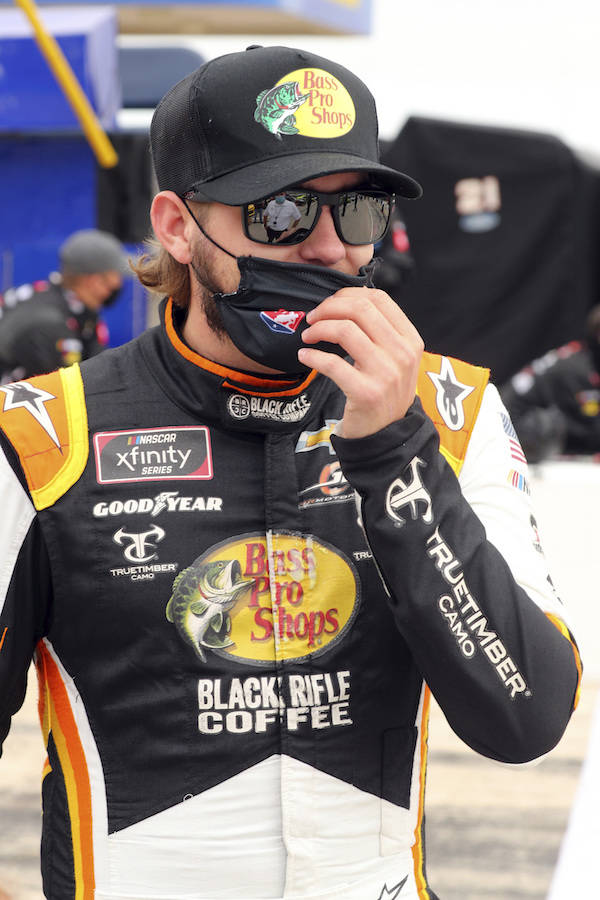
266, 315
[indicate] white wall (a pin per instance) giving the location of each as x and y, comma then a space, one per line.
532, 64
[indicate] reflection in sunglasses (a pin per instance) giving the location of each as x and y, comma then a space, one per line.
360, 217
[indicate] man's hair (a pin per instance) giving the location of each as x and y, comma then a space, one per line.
162, 274
158, 271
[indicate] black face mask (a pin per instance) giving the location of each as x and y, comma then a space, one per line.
266, 315
112, 297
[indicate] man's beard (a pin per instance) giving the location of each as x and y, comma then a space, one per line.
208, 286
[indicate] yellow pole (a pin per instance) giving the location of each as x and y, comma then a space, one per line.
62, 71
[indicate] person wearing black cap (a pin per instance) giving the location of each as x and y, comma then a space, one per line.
266, 532
58, 324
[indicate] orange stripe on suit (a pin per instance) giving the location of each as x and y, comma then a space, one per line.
57, 717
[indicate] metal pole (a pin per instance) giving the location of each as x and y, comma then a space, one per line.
62, 71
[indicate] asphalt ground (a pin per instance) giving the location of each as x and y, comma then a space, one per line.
493, 832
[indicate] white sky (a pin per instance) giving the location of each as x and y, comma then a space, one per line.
532, 64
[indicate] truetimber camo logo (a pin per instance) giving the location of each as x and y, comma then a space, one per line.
310, 102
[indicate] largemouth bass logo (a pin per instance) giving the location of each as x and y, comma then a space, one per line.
309, 102
199, 606
275, 108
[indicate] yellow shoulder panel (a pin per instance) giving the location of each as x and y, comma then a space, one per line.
45, 419
451, 392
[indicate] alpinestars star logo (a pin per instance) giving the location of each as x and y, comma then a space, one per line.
450, 395
393, 892
412, 493
22, 395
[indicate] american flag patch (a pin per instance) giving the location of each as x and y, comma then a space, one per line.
516, 451
519, 481
508, 426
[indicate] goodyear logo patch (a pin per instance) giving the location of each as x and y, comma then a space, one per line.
310, 102
259, 598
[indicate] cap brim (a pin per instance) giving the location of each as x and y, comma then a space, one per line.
270, 175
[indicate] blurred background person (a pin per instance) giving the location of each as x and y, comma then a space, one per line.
54, 323
554, 402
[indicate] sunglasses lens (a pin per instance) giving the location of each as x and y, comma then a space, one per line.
284, 219
364, 217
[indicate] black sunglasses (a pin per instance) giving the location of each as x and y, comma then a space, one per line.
360, 215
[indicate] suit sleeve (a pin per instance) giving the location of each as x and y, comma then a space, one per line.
24, 590
467, 587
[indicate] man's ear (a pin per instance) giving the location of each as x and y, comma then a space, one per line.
170, 220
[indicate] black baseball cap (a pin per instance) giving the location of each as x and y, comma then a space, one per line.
248, 124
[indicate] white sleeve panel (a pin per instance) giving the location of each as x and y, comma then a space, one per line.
15, 520
495, 482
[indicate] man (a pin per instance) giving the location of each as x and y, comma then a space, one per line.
236, 662
280, 218
55, 323
554, 402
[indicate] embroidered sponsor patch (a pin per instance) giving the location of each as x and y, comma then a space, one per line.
412, 494
282, 321
519, 481
310, 440
309, 102
467, 622
515, 449
153, 454
240, 407
332, 487
450, 395
32, 399
258, 598
165, 501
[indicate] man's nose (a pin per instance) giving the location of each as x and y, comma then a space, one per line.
323, 246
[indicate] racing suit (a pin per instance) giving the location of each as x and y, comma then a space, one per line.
43, 326
238, 620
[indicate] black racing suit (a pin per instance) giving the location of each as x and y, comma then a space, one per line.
235, 657
44, 326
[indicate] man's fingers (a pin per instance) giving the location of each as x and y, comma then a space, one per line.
372, 310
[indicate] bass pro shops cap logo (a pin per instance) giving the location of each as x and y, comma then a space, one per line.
259, 599
310, 102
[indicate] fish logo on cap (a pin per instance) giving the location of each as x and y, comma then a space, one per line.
310, 102
275, 108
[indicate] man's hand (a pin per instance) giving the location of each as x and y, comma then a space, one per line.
386, 349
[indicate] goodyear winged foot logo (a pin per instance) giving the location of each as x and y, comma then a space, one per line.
257, 598
309, 102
